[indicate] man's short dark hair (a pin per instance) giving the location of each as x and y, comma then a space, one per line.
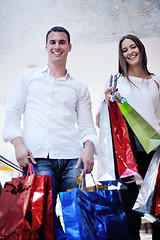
58, 29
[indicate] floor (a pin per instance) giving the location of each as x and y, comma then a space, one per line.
146, 236
146, 232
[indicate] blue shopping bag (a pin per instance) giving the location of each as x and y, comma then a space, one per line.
94, 215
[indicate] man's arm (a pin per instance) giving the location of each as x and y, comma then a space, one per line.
86, 127
22, 152
87, 131
14, 109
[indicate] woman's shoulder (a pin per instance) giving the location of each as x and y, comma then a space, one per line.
156, 79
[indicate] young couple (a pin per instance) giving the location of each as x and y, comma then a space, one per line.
53, 102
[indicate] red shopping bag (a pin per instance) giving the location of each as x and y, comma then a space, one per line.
124, 156
38, 211
48, 211
157, 208
39, 219
155, 203
13, 203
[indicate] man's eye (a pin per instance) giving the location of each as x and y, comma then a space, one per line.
52, 42
62, 42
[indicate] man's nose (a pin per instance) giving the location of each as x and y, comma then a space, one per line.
57, 45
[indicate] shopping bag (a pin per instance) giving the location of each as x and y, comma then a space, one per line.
39, 218
147, 136
157, 201
124, 156
93, 215
48, 220
36, 200
155, 204
144, 202
13, 203
106, 162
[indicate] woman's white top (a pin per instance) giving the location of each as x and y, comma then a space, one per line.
144, 97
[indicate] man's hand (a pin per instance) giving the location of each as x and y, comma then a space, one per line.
87, 157
22, 152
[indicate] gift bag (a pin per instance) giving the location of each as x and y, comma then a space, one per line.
94, 215
23, 206
39, 218
147, 136
106, 164
124, 156
48, 220
144, 204
155, 204
13, 203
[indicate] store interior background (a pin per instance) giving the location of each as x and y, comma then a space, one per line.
95, 27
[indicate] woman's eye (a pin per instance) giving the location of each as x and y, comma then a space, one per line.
124, 50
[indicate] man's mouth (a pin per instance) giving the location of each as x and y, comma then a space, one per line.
57, 53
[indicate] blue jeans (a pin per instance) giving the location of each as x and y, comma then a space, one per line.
62, 170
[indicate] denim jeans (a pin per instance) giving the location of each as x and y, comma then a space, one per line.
62, 170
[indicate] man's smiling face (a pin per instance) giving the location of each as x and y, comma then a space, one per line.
57, 47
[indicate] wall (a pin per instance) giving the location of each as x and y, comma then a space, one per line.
24, 23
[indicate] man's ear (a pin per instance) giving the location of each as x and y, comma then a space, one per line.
70, 46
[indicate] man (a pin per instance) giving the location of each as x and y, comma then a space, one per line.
52, 102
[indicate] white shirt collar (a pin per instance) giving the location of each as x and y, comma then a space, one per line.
45, 68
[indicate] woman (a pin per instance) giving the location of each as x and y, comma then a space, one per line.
141, 88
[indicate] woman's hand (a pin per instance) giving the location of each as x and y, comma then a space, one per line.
108, 94
98, 118
116, 98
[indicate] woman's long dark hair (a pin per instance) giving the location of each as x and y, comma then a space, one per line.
123, 65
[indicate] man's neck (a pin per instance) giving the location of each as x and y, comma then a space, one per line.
57, 71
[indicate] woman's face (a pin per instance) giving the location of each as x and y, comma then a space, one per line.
130, 52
